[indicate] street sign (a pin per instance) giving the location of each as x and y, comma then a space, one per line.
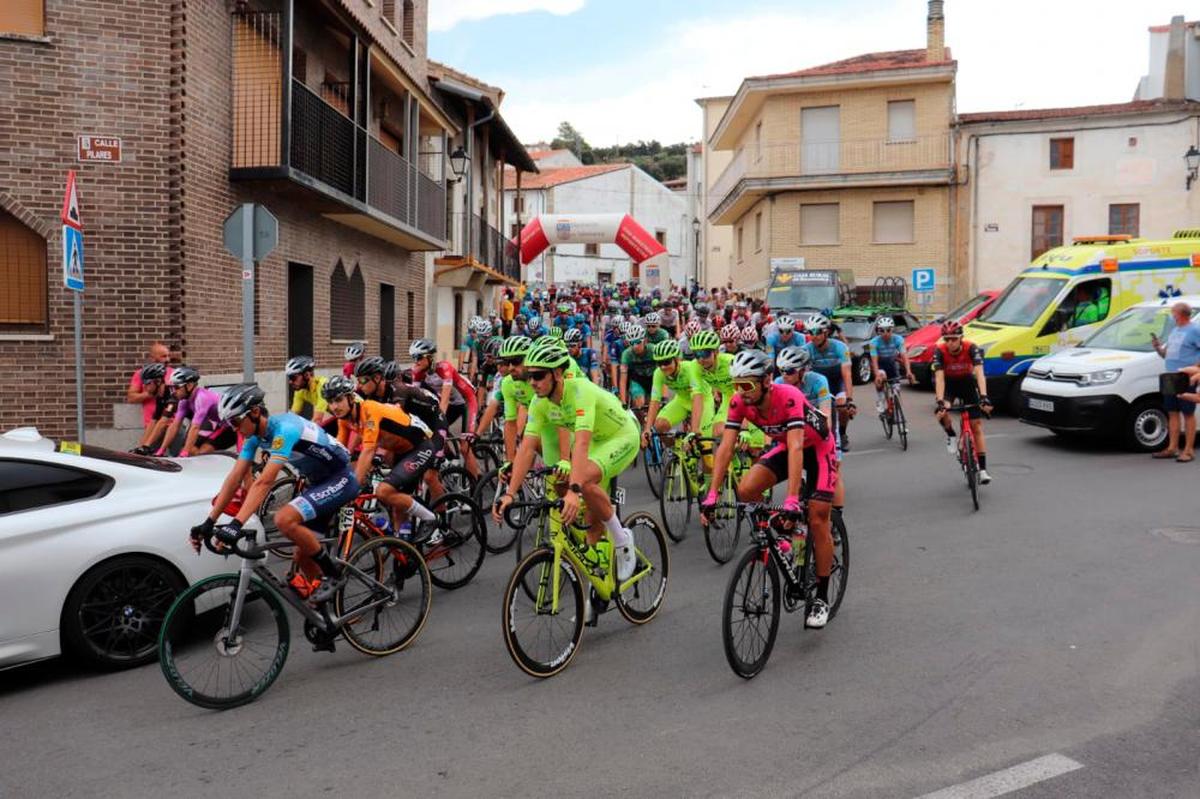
72, 258
100, 148
264, 228
923, 279
70, 207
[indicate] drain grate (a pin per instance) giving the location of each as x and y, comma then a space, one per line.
1180, 535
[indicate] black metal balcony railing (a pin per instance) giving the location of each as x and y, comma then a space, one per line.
495, 249
326, 144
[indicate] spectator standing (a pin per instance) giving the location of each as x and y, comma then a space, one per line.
507, 312
149, 396
1181, 350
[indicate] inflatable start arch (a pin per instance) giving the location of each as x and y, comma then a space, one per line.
547, 230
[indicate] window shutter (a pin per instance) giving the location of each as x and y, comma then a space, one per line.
902, 120
819, 224
894, 222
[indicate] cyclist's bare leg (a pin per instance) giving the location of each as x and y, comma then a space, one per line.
291, 525
977, 434
820, 526
756, 480
598, 505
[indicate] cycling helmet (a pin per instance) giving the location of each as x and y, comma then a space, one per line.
702, 309
391, 370
420, 347
481, 327
354, 350
691, 328
556, 332
635, 333
369, 367
238, 400
750, 363
703, 341
153, 371
785, 323
515, 347
951, 328
817, 323
184, 374
884, 323
793, 358
491, 347
549, 355
298, 366
730, 332
666, 350
749, 335
573, 336
337, 386
652, 318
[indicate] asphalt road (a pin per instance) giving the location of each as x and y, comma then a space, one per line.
1057, 625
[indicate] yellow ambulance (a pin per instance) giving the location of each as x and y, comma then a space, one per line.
1068, 292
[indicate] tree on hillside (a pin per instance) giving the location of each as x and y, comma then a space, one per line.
662, 162
569, 138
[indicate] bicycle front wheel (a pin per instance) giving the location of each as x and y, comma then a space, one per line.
723, 530
888, 424
209, 662
901, 423
645, 590
542, 632
750, 616
280, 493
971, 468
839, 575
385, 598
455, 559
652, 461
674, 497
499, 537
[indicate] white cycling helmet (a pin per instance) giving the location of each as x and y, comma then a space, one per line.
817, 323
354, 350
421, 347
750, 363
785, 323
652, 318
885, 323
794, 358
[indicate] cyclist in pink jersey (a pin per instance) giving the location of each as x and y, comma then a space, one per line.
198, 406
795, 426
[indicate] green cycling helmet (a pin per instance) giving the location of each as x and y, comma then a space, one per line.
666, 350
556, 332
704, 340
548, 353
515, 347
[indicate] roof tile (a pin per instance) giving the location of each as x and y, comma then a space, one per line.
549, 178
868, 62
1112, 109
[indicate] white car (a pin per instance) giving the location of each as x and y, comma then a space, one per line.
1108, 384
94, 547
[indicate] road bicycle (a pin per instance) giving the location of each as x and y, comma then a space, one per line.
893, 418
681, 481
226, 638
491, 486
544, 608
765, 577
968, 451
723, 525
652, 455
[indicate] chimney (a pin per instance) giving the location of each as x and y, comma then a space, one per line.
1173, 73
935, 33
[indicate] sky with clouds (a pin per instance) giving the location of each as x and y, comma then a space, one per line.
623, 70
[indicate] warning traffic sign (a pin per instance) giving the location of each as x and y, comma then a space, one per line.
70, 208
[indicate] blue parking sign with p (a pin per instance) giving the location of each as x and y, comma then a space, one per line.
923, 279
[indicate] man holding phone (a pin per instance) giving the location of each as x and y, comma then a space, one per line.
1181, 350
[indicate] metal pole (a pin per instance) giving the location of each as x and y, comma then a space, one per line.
79, 365
248, 292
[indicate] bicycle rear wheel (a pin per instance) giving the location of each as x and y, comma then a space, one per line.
457, 480
206, 662
970, 468
888, 423
386, 596
652, 461
640, 602
499, 537
901, 422
674, 497
750, 614
541, 639
839, 575
457, 557
281, 493
724, 528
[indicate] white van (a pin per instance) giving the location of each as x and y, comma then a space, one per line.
1108, 384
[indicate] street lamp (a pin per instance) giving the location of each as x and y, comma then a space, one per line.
1192, 159
696, 249
459, 162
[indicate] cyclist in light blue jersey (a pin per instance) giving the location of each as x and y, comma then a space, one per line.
831, 358
784, 337
887, 356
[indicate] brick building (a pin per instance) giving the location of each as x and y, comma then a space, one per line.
319, 110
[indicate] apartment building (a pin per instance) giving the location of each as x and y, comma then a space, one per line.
848, 165
320, 111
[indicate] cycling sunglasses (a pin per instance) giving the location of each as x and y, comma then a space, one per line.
368, 378
745, 386
511, 361
793, 371
538, 374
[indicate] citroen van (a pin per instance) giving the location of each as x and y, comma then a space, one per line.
1068, 292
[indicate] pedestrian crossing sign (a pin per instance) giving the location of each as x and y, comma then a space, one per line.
72, 258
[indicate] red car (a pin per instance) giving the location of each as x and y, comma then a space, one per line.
920, 343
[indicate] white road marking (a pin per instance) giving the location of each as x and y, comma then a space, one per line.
1008, 780
862, 451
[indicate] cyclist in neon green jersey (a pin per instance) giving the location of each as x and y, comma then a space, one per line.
515, 392
714, 368
605, 443
692, 394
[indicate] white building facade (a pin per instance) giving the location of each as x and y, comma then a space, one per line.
1036, 179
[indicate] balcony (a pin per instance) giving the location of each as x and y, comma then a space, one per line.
306, 141
486, 256
845, 163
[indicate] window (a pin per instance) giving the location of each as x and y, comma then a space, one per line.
1124, 218
819, 224
661, 237
739, 244
758, 232
23, 276
519, 204
389, 11
591, 249
1086, 304
25, 17
408, 29
1062, 153
347, 303
902, 120
893, 222
758, 142
820, 140
27, 485
1047, 228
